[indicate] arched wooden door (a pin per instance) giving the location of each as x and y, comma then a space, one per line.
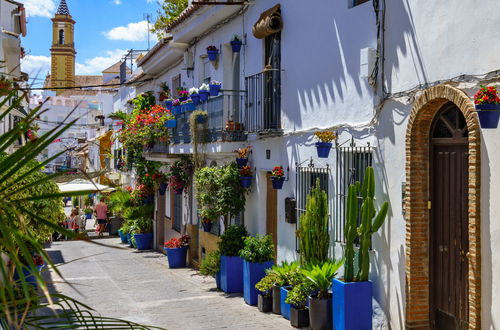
449, 220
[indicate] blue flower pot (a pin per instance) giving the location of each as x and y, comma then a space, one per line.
236, 46
189, 107
231, 274
277, 182
183, 98
163, 188
143, 241
246, 181
214, 89
352, 305
129, 240
176, 257
241, 161
488, 114
204, 95
29, 277
212, 54
196, 98
176, 110
217, 280
284, 307
171, 123
207, 226
123, 237
253, 272
323, 149
88, 216
201, 119
169, 104
183, 108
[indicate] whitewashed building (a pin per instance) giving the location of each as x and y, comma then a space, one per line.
396, 82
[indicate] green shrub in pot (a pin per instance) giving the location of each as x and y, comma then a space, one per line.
210, 266
232, 240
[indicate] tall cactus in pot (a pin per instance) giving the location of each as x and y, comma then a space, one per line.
350, 230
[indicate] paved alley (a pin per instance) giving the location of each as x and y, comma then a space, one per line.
138, 286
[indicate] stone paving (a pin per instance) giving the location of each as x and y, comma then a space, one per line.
138, 286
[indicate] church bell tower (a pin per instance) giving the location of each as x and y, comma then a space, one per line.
63, 49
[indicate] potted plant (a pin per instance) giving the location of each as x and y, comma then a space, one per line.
212, 53
201, 116
204, 92
246, 176
208, 214
231, 264
257, 254
176, 249
243, 154
358, 289
88, 213
165, 92
176, 107
287, 276
28, 272
320, 304
180, 173
193, 94
143, 233
236, 44
214, 87
124, 232
161, 180
189, 105
487, 106
169, 103
183, 93
210, 266
297, 298
278, 177
265, 298
324, 145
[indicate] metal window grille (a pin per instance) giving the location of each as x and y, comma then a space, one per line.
352, 162
177, 212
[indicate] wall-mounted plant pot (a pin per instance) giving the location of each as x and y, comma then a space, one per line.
163, 188
190, 107
183, 98
488, 114
264, 303
276, 299
241, 161
299, 318
176, 257
352, 304
200, 119
236, 46
169, 104
204, 95
253, 272
171, 123
323, 149
143, 241
212, 54
285, 308
277, 182
176, 110
246, 181
179, 191
196, 98
231, 274
207, 226
320, 313
214, 89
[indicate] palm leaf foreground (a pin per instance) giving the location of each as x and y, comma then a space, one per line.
21, 306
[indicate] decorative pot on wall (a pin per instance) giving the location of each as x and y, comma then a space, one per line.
212, 54
323, 149
277, 182
236, 46
246, 181
488, 114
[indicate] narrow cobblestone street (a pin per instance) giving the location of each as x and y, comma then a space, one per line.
138, 286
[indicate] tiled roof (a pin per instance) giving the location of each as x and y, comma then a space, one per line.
88, 80
115, 68
63, 8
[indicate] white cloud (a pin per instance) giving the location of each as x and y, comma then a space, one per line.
94, 66
117, 2
44, 8
36, 66
132, 32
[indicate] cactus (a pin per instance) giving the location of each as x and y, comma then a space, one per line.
371, 221
314, 239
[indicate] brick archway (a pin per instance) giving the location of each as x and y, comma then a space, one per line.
416, 204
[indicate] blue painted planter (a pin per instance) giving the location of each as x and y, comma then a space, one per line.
252, 273
176, 257
212, 54
88, 216
189, 107
129, 240
352, 305
207, 226
277, 183
231, 274
183, 98
246, 181
171, 123
323, 149
204, 95
488, 114
123, 237
241, 161
169, 104
143, 241
29, 277
217, 280
176, 110
163, 188
196, 98
284, 307
236, 46
214, 89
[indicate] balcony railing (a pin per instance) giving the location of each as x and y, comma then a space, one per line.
263, 102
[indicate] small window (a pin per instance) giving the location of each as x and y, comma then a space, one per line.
61, 37
206, 70
176, 83
354, 3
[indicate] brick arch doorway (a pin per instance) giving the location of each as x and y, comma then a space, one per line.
418, 207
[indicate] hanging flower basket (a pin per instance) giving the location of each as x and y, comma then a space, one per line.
323, 149
246, 181
169, 104
236, 45
207, 226
277, 182
171, 123
212, 53
489, 115
163, 188
196, 98
241, 161
178, 191
200, 119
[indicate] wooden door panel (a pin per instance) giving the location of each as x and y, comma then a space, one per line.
272, 213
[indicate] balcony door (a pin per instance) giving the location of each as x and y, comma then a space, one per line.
272, 83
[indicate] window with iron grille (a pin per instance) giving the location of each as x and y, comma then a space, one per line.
176, 83
352, 162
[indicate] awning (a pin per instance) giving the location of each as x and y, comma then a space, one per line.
269, 22
83, 185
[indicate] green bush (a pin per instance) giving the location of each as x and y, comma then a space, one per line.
88, 201
266, 284
258, 249
210, 266
232, 241
299, 293
75, 201
286, 274
322, 275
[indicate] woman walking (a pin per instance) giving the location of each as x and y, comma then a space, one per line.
101, 211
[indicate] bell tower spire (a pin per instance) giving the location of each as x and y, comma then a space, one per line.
63, 49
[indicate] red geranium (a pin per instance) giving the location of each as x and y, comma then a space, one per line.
487, 95
175, 242
278, 172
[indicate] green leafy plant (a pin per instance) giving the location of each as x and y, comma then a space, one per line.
258, 249
88, 201
210, 266
75, 201
265, 285
321, 276
199, 134
232, 240
142, 226
297, 296
286, 274
88, 211
314, 239
118, 201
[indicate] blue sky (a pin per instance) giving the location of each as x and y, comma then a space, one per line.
104, 30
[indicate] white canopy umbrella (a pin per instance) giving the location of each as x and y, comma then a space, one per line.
85, 185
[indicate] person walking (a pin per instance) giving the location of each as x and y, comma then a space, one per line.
101, 211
